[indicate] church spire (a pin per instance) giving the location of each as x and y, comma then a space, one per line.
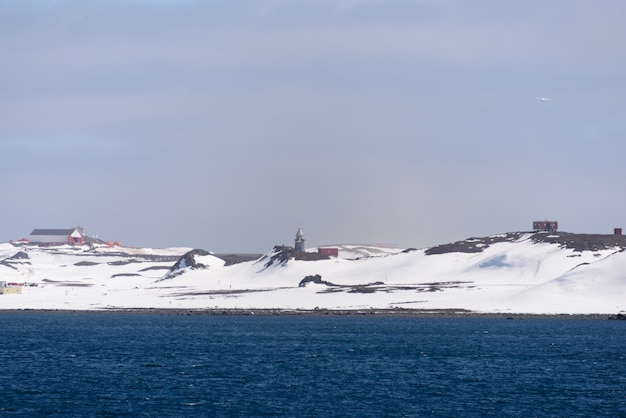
299, 240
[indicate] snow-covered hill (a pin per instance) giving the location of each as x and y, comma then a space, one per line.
506, 273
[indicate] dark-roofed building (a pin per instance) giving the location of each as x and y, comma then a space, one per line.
72, 236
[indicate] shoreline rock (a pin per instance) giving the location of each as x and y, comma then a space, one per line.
396, 312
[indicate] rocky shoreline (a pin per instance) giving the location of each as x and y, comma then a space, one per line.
430, 313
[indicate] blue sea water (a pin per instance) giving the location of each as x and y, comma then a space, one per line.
110, 365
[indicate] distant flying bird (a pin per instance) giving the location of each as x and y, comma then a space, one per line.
543, 99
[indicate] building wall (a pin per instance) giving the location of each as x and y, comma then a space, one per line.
330, 252
11, 290
48, 239
545, 225
57, 236
76, 238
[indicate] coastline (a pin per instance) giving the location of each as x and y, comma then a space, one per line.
417, 313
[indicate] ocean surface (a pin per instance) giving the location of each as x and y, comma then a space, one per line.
113, 365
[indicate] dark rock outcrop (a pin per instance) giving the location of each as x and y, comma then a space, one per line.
85, 264
567, 240
20, 255
316, 278
187, 260
582, 242
19, 258
473, 245
280, 255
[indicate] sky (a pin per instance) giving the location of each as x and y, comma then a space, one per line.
226, 125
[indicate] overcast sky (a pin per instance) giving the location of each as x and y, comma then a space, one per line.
225, 125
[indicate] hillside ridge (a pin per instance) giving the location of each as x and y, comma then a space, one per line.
516, 272
568, 240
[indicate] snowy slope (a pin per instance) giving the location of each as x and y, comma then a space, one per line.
516, 273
